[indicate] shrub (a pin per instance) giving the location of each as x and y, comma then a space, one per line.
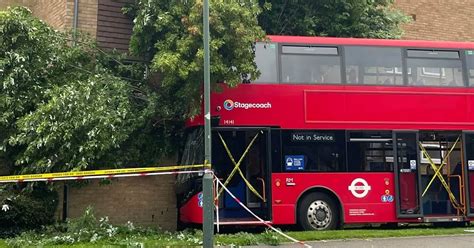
26, 209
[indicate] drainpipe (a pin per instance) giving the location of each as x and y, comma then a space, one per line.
75, 19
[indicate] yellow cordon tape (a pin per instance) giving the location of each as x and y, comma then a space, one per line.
257, 217
95, 174
237, 167
438, 173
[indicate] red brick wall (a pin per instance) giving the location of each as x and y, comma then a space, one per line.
60, 13
145, 201
52, 12
87, 16
439, 19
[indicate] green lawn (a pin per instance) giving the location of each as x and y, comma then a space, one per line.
265, 237
377, 233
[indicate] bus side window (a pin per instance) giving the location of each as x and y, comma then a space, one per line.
434, 68
266, 60
314, 150
370, 151
373, 65
310, 65
470, 66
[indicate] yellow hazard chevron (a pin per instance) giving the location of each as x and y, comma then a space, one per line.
98, 172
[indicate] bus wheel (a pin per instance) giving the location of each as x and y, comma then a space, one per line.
317, 211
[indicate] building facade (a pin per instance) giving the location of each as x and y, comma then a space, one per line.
145, 201
102, 19
448, 20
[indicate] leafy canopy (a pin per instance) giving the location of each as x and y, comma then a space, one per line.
336, 18
170, 34
61, 107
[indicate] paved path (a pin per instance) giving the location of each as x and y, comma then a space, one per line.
450, 241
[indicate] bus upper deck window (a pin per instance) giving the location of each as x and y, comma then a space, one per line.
470, 66
266, 60
310, 65
373, 65
434, 68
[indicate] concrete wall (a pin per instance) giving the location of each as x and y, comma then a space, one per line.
145, 201
438, 19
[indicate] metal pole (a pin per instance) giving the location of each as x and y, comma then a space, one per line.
75, 19
208, 206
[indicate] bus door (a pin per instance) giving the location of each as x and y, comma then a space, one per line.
442, 176
407, 176
240, 159
468, 171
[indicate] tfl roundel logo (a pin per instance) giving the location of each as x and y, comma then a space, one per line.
228, 104
359, 188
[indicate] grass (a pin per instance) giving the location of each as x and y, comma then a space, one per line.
265, 237
377, 233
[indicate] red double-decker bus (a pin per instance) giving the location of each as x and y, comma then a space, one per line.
340, 131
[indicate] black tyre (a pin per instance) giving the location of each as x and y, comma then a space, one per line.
318, 211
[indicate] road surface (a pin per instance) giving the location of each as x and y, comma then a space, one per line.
449, 241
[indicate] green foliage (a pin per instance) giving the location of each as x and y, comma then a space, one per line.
336, 18
25, 210
62, 107
130, 236
89, 230
170, 34
84, 229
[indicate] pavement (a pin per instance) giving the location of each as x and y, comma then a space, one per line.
448, 241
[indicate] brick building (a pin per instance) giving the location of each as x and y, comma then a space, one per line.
102, 19
438, 19
145, 201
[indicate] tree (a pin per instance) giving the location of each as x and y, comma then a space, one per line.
169, 33
336, 18
62, 107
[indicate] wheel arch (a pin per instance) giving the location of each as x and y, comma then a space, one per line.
327, 191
